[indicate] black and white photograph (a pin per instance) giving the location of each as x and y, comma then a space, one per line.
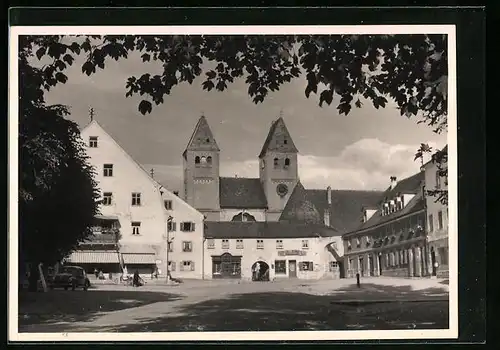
256, 181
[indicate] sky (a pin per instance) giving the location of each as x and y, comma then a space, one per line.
359, 151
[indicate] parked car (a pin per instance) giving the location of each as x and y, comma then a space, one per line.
70, 277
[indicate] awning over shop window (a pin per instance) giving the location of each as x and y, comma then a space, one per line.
94, 257
148, 259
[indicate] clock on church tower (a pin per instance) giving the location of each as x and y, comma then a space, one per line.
282, 190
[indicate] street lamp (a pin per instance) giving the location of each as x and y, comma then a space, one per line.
169, 224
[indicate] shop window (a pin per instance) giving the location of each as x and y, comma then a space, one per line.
280, 267
306, 266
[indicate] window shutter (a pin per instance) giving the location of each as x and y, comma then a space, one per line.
192, 265
192, 227
174, 224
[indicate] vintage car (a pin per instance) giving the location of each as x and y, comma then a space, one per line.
70, 277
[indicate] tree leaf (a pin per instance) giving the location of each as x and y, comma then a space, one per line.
61, 77
145, 107
40, 52
146, 57
68, 59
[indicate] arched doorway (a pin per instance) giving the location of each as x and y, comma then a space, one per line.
433, 261
260, 271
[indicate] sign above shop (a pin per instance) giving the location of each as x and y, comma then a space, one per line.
291, 252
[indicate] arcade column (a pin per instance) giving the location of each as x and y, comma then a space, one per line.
376, 267
368, 271
418, 262
410, 262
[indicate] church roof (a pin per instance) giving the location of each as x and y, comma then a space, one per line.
345, 210
278, 139
202, 138
270, 229
241, 193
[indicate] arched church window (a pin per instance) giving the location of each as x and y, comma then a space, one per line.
203, 160
287, 162
285, 141
209, 160
276, 162
197, 160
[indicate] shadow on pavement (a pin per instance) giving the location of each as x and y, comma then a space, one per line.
284, 311
447, 282
368, 292
80, 306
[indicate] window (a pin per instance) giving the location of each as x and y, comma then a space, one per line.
285, 141
306, 266
305, 244
287, 162
187, 266
276, 162
136, 225
209, 160
171, 265
187, 226
170, 247
197, 160
260, 244
279, 244
203, 160
108, 170
93, 141
167, 204
368, 241
438, 180
187, 246
239, 244
171, 226
333, 266
440, 220
358, 242
107, 198
211, 243
225, 244
280, 267
443, 255
136, 199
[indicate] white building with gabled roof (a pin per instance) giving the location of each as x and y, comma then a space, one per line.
142, 206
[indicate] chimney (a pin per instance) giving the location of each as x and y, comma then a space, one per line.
393, 182
329, 195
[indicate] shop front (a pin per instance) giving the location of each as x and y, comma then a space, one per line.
226, 266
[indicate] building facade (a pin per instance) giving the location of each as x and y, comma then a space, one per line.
143, 208
437, 217
272, 250
392, 239
264, 221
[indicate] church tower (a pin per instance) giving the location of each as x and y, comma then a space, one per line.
201, 171
278, 168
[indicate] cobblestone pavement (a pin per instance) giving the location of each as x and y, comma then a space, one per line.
380, 303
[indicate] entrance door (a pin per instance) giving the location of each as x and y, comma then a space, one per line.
292, 268
433, 262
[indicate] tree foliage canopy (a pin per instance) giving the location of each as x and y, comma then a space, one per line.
57, 192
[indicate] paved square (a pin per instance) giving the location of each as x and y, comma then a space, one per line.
380, 303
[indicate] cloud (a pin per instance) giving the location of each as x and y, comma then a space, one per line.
364, 165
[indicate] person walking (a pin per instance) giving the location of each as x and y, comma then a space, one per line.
136, 282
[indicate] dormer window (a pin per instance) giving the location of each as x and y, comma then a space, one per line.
209, 160
197, 160
276, 162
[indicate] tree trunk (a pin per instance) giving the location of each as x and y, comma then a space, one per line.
33, 279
